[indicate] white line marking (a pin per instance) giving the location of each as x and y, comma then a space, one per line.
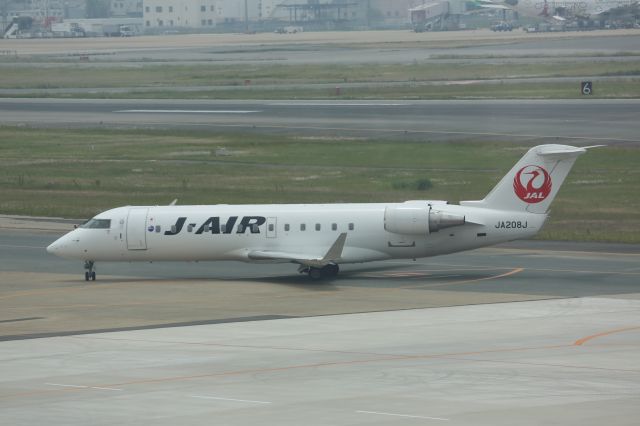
402, 415
230, 399
14, 246
67, 386
82, 387
188, 111
335, 104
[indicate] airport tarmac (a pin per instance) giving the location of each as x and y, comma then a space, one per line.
527, 333
337, 46
420, 48
571, 121
43, 295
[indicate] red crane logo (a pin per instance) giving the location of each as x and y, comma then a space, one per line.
532, 184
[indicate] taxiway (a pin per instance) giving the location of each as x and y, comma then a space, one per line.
574, 121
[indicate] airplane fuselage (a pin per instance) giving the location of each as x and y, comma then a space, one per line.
225, 232
319, 237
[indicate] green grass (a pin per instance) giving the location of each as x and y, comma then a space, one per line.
77, 173
145, 75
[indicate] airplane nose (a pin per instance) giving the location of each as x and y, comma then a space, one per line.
59, 247
67, 246
54, 247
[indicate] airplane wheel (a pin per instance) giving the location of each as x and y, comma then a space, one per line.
315, 273
93, 275
86, 276
330, 270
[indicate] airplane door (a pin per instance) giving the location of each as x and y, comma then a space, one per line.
137, 229
272, 223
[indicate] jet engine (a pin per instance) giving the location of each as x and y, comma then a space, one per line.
418, 218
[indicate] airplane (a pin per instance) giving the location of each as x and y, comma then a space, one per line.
320, 237
559, 10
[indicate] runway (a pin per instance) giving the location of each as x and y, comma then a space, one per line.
573, 121
527, 333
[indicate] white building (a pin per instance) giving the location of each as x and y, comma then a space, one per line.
234, 10
180, 13
121, 8
199, 13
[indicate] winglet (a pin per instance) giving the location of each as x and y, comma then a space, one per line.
173, 203
335, 252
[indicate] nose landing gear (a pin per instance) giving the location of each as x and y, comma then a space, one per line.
90, 274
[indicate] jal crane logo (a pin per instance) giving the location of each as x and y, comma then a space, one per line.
532, 184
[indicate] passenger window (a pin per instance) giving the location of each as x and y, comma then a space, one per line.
270, 227
303, 227
223, 229
189, 228
351, 227
173, 229
334, 226
286, 227
255, 229
206, 228
157, 228
317, 226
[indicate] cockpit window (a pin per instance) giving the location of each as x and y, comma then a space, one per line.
97, 224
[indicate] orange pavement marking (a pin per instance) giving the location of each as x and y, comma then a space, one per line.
584, 340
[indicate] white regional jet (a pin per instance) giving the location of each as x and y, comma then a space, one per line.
319, 237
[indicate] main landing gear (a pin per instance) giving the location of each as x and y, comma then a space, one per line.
327, 271
90, 274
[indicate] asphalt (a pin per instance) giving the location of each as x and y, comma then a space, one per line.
538, 333
44, 296
572, 121
347, 47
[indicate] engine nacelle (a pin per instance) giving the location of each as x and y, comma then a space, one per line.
418, 219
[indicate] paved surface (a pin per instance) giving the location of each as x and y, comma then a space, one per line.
42, 295
420, 48
570, 362
531, 333
573, 121
337, 47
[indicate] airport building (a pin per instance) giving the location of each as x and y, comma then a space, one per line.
220, 15
199, 13
126, 8
312, 13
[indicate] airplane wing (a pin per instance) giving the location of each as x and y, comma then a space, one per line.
333, 254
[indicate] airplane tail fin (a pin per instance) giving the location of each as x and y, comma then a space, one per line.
532, 184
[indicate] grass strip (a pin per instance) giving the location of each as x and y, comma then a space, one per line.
78, 173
